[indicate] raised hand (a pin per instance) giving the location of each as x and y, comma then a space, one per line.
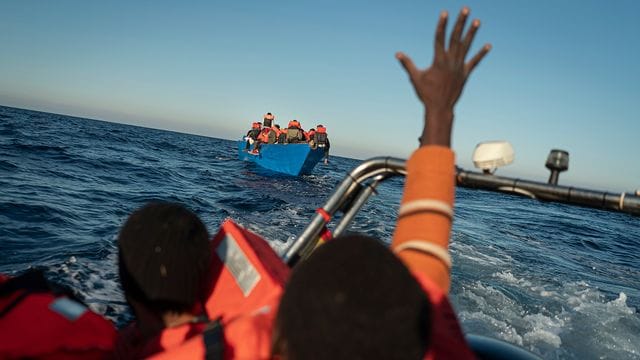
439, 87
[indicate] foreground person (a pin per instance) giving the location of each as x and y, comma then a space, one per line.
355, 299
164, 261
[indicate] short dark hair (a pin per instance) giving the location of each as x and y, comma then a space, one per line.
164, 257
352, 299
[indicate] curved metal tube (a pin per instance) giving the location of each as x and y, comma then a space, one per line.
351, 187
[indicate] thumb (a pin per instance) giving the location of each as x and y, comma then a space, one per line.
407, 64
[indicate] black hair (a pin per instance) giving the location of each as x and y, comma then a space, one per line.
164, 257
352, 299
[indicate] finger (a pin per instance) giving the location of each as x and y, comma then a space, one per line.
468, 39
454, 42
440, 36
408, 65
476, 59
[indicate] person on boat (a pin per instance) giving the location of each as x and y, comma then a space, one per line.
321, 140
308, 135
294, 132
353, 298
252, 134
164, 265
278, 131
268, 119
282, 136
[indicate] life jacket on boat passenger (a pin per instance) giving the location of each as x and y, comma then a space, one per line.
39, 319
267, 135
309, 134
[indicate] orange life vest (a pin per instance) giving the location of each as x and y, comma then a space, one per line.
321, 129
37, 321
264, 135
309, 134
294, 124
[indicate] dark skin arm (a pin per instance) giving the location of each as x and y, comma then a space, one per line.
439, 87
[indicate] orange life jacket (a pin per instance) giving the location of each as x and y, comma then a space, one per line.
264, 135
294, 124
38, 321
321, 129
309, 134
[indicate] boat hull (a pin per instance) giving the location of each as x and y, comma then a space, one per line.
291, 159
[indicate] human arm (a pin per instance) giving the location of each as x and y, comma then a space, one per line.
422, 233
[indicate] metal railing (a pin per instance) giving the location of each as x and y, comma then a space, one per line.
356, 188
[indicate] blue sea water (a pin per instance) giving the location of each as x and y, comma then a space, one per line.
558, 280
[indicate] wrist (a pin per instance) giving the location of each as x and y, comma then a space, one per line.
437, 127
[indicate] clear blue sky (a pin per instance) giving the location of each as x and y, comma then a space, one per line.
562, 74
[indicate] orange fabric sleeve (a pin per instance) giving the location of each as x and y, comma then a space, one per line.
430, 175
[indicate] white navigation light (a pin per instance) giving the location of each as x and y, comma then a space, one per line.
491, 155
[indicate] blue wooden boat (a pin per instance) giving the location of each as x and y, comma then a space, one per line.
291, 159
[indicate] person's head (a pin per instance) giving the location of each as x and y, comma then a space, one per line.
312, 129
277, 126
164, 258
352, 299
256, 125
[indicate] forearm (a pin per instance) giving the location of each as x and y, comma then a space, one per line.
430, 176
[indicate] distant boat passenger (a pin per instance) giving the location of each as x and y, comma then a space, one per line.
309, 135
294, 132
252, 135
282, 136
321, 140
268, 120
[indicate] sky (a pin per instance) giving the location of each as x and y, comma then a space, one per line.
561, 74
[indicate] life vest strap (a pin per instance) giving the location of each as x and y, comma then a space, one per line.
213, 339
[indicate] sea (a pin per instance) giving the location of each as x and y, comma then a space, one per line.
562, 282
